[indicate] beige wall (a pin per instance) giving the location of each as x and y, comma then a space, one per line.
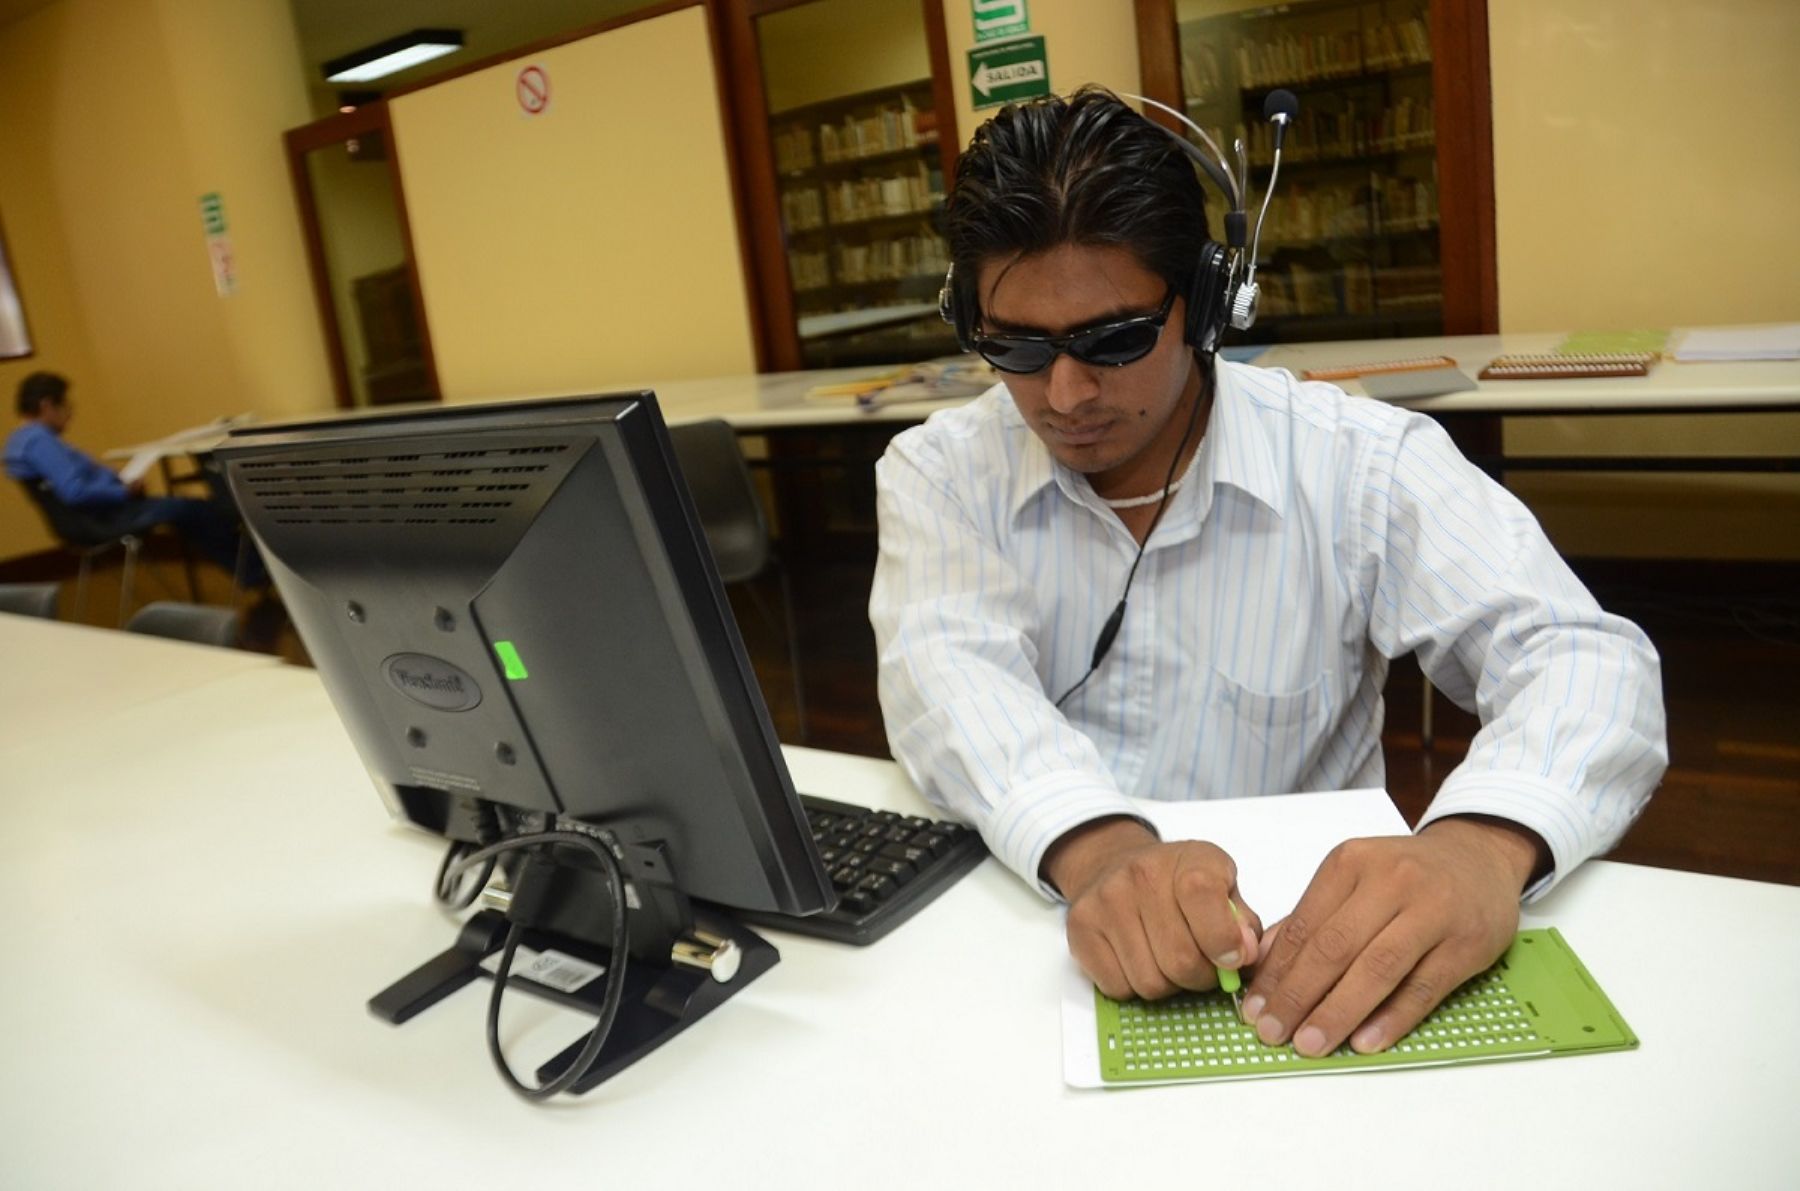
1087, 41
841, 47
587, 247
32, 218
1647, 175
115, 116
1647, 167
246, 50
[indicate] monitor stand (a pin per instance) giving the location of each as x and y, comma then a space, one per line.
660, 1000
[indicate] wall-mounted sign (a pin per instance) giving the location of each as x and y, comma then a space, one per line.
533, 90
218, 244
212, 214
995, 19
1008, 71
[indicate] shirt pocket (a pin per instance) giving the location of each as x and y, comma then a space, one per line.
1263, 742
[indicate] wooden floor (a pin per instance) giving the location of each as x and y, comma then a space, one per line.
1729, 805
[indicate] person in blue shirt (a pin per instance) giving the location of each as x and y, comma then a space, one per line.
36, 454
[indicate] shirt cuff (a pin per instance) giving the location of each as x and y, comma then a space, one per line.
1527, 800
1038, 813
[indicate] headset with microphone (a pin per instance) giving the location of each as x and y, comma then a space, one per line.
1222, 292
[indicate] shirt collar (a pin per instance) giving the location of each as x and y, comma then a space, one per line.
1235, 451
1035, 468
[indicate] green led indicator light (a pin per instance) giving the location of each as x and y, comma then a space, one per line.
509, 660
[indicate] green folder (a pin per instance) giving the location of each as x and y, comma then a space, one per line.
1537, 1001
1612, 343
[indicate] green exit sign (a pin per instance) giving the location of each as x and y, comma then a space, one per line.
1008, 71
212, 214
995, 19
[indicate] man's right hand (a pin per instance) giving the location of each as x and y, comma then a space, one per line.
1147, 919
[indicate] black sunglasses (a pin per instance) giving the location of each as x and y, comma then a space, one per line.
1108, 345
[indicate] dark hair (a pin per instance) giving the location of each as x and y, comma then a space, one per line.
38, 388
1084, 170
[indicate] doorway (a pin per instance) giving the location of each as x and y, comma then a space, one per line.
353, 214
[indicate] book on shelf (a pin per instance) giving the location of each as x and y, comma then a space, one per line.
1355, 131
1306, 212
794, 150
803, 140
894, 259
889, 130
1290, 59
1397, 45
1355, 288
1201, 80
809, 270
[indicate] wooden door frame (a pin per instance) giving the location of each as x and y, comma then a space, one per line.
1463, 96
340, 129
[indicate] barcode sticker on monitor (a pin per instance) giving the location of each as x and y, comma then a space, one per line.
552, 969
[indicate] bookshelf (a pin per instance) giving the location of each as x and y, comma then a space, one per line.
860, 189
1351, 247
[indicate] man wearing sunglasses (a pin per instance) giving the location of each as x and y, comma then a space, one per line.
1276, 543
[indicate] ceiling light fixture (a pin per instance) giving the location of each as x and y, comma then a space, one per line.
393, 55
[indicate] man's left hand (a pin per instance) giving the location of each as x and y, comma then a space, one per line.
1386, 930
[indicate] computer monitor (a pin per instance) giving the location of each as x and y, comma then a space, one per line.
515, 613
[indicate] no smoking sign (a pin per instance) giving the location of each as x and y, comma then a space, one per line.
533, 90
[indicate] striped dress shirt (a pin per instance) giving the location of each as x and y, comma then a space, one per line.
1316, 537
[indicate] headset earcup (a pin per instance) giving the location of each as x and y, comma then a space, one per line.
955, 311
1207, 302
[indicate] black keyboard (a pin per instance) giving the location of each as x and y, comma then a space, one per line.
885, 867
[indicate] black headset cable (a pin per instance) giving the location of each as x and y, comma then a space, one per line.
1109, 632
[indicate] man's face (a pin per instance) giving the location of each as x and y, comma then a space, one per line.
1107, 423
56, 414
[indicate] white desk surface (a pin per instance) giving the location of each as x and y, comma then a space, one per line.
777, 400
1671, 386
62, 677
202, 906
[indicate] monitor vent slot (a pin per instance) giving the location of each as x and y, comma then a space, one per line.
461, 487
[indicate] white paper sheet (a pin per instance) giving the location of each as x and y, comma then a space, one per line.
139, 465
1780, 341
1278, 843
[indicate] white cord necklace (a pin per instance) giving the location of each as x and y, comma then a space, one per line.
1138, 502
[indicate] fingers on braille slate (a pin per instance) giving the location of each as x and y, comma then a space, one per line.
1198, 1034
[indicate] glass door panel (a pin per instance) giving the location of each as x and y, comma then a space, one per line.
365, 264
1350, 249
856, 147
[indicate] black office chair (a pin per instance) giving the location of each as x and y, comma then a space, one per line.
30, 599
88, 538
731, 512
199, 623
84, 535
